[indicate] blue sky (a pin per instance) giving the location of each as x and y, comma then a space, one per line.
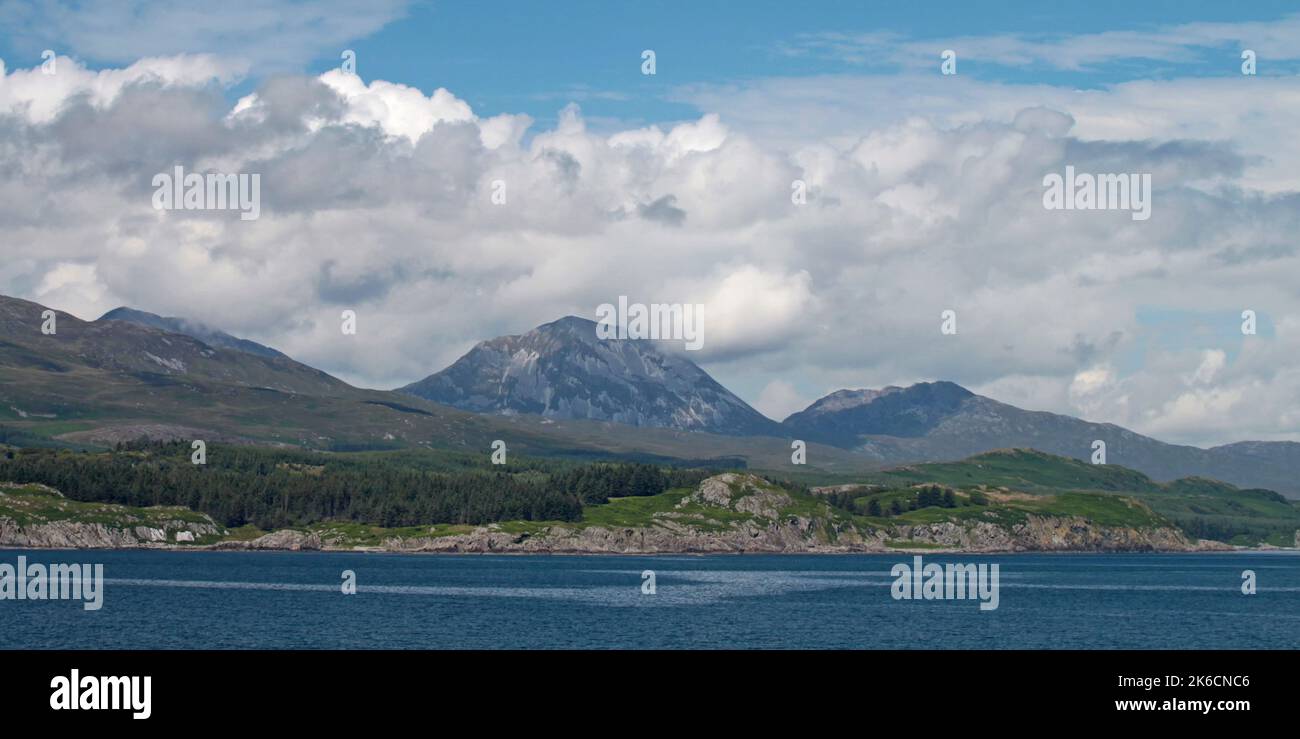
527, 49
518, 56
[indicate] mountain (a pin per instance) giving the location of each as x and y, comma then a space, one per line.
112, 380
562, 370
942, 421
557, 390
842, 416
102, 382
206, 334
156, 356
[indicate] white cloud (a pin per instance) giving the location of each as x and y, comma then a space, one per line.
398, 109
74, 288
1210, 366
39, 96
779, 398
749, 310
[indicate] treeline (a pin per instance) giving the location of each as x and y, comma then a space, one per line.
1225, 528
278, 488
597, 483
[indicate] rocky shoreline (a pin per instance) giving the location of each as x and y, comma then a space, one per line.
1037, 535
489, 544
796, 535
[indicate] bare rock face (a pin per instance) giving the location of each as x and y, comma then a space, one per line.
794, 535
714, 491
65, 535
79, 535
149, 533
1046, 534
744, 493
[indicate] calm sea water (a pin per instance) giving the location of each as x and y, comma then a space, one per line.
243, 600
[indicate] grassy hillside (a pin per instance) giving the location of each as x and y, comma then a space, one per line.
1203, 508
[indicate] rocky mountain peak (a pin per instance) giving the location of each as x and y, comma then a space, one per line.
563, 370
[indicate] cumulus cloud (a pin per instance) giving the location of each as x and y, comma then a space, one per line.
780, 398
441, 228
38, 96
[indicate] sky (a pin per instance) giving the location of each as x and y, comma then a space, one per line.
924, 190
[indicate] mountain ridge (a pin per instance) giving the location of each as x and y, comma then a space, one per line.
942, 421
195, 329
556, 389
99, 383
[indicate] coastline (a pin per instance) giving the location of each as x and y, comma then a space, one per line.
729, 513
228, 547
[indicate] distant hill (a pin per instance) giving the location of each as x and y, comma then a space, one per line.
1201, 507
156, 356
111, 380
938, 421
194, 329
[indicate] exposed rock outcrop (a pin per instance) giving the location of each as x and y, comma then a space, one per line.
83, 535
744, 493
1050, 534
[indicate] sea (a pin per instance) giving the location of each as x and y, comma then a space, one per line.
296, 600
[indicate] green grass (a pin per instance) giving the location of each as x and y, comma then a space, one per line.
1024, 470
351, 534
630, 512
